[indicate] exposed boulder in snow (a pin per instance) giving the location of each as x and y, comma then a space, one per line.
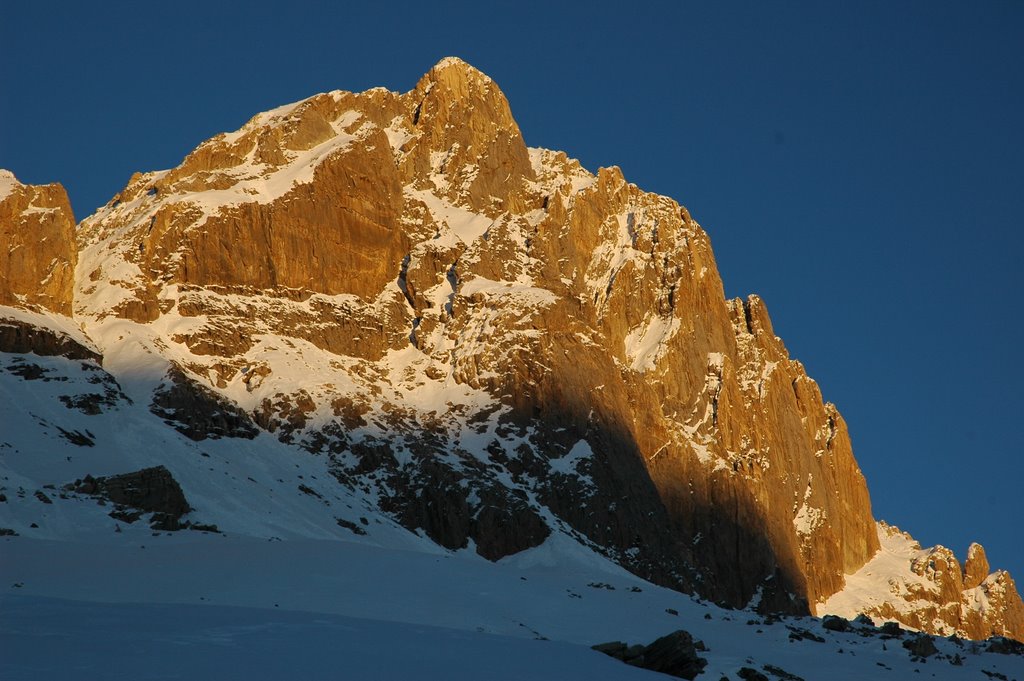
835, 623
921, 645
1005, 646
674, 654
150, 490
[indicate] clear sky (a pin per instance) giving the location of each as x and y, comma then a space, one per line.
858, 165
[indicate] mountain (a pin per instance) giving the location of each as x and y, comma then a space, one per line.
598, 371
382, 318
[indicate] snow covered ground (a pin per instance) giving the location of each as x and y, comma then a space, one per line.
217, 606
59, 639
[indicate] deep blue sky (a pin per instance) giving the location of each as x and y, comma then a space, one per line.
861, 168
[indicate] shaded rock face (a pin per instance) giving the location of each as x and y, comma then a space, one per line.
197, 412
489, 339
37, 261
20, 336
452, 502
498, 522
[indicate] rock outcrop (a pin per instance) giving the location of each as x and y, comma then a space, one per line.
674, 654
38, 258
929, 590
488, 340
197, 412
150, 490
20, 335
976, 568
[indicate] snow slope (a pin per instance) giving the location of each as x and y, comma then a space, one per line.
61, 640
199, 606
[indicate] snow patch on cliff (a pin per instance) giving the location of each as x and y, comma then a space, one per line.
647, 343
885, 580
8, 183
569, 464
464, 224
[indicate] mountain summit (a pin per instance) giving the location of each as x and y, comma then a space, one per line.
482, 343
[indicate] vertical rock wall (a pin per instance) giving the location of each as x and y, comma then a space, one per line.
38, 256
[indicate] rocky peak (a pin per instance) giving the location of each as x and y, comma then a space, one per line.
453, 93
467, 144
37, 261
457, 77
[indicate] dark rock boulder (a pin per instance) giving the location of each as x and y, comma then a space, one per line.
892, 629
1004, 646
835, 623
864, 621
505, 524
674, 654
780, 673
921, 646
150, 490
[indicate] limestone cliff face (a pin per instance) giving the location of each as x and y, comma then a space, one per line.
38, 257
492, 341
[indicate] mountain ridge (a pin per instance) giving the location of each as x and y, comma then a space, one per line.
556, 307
